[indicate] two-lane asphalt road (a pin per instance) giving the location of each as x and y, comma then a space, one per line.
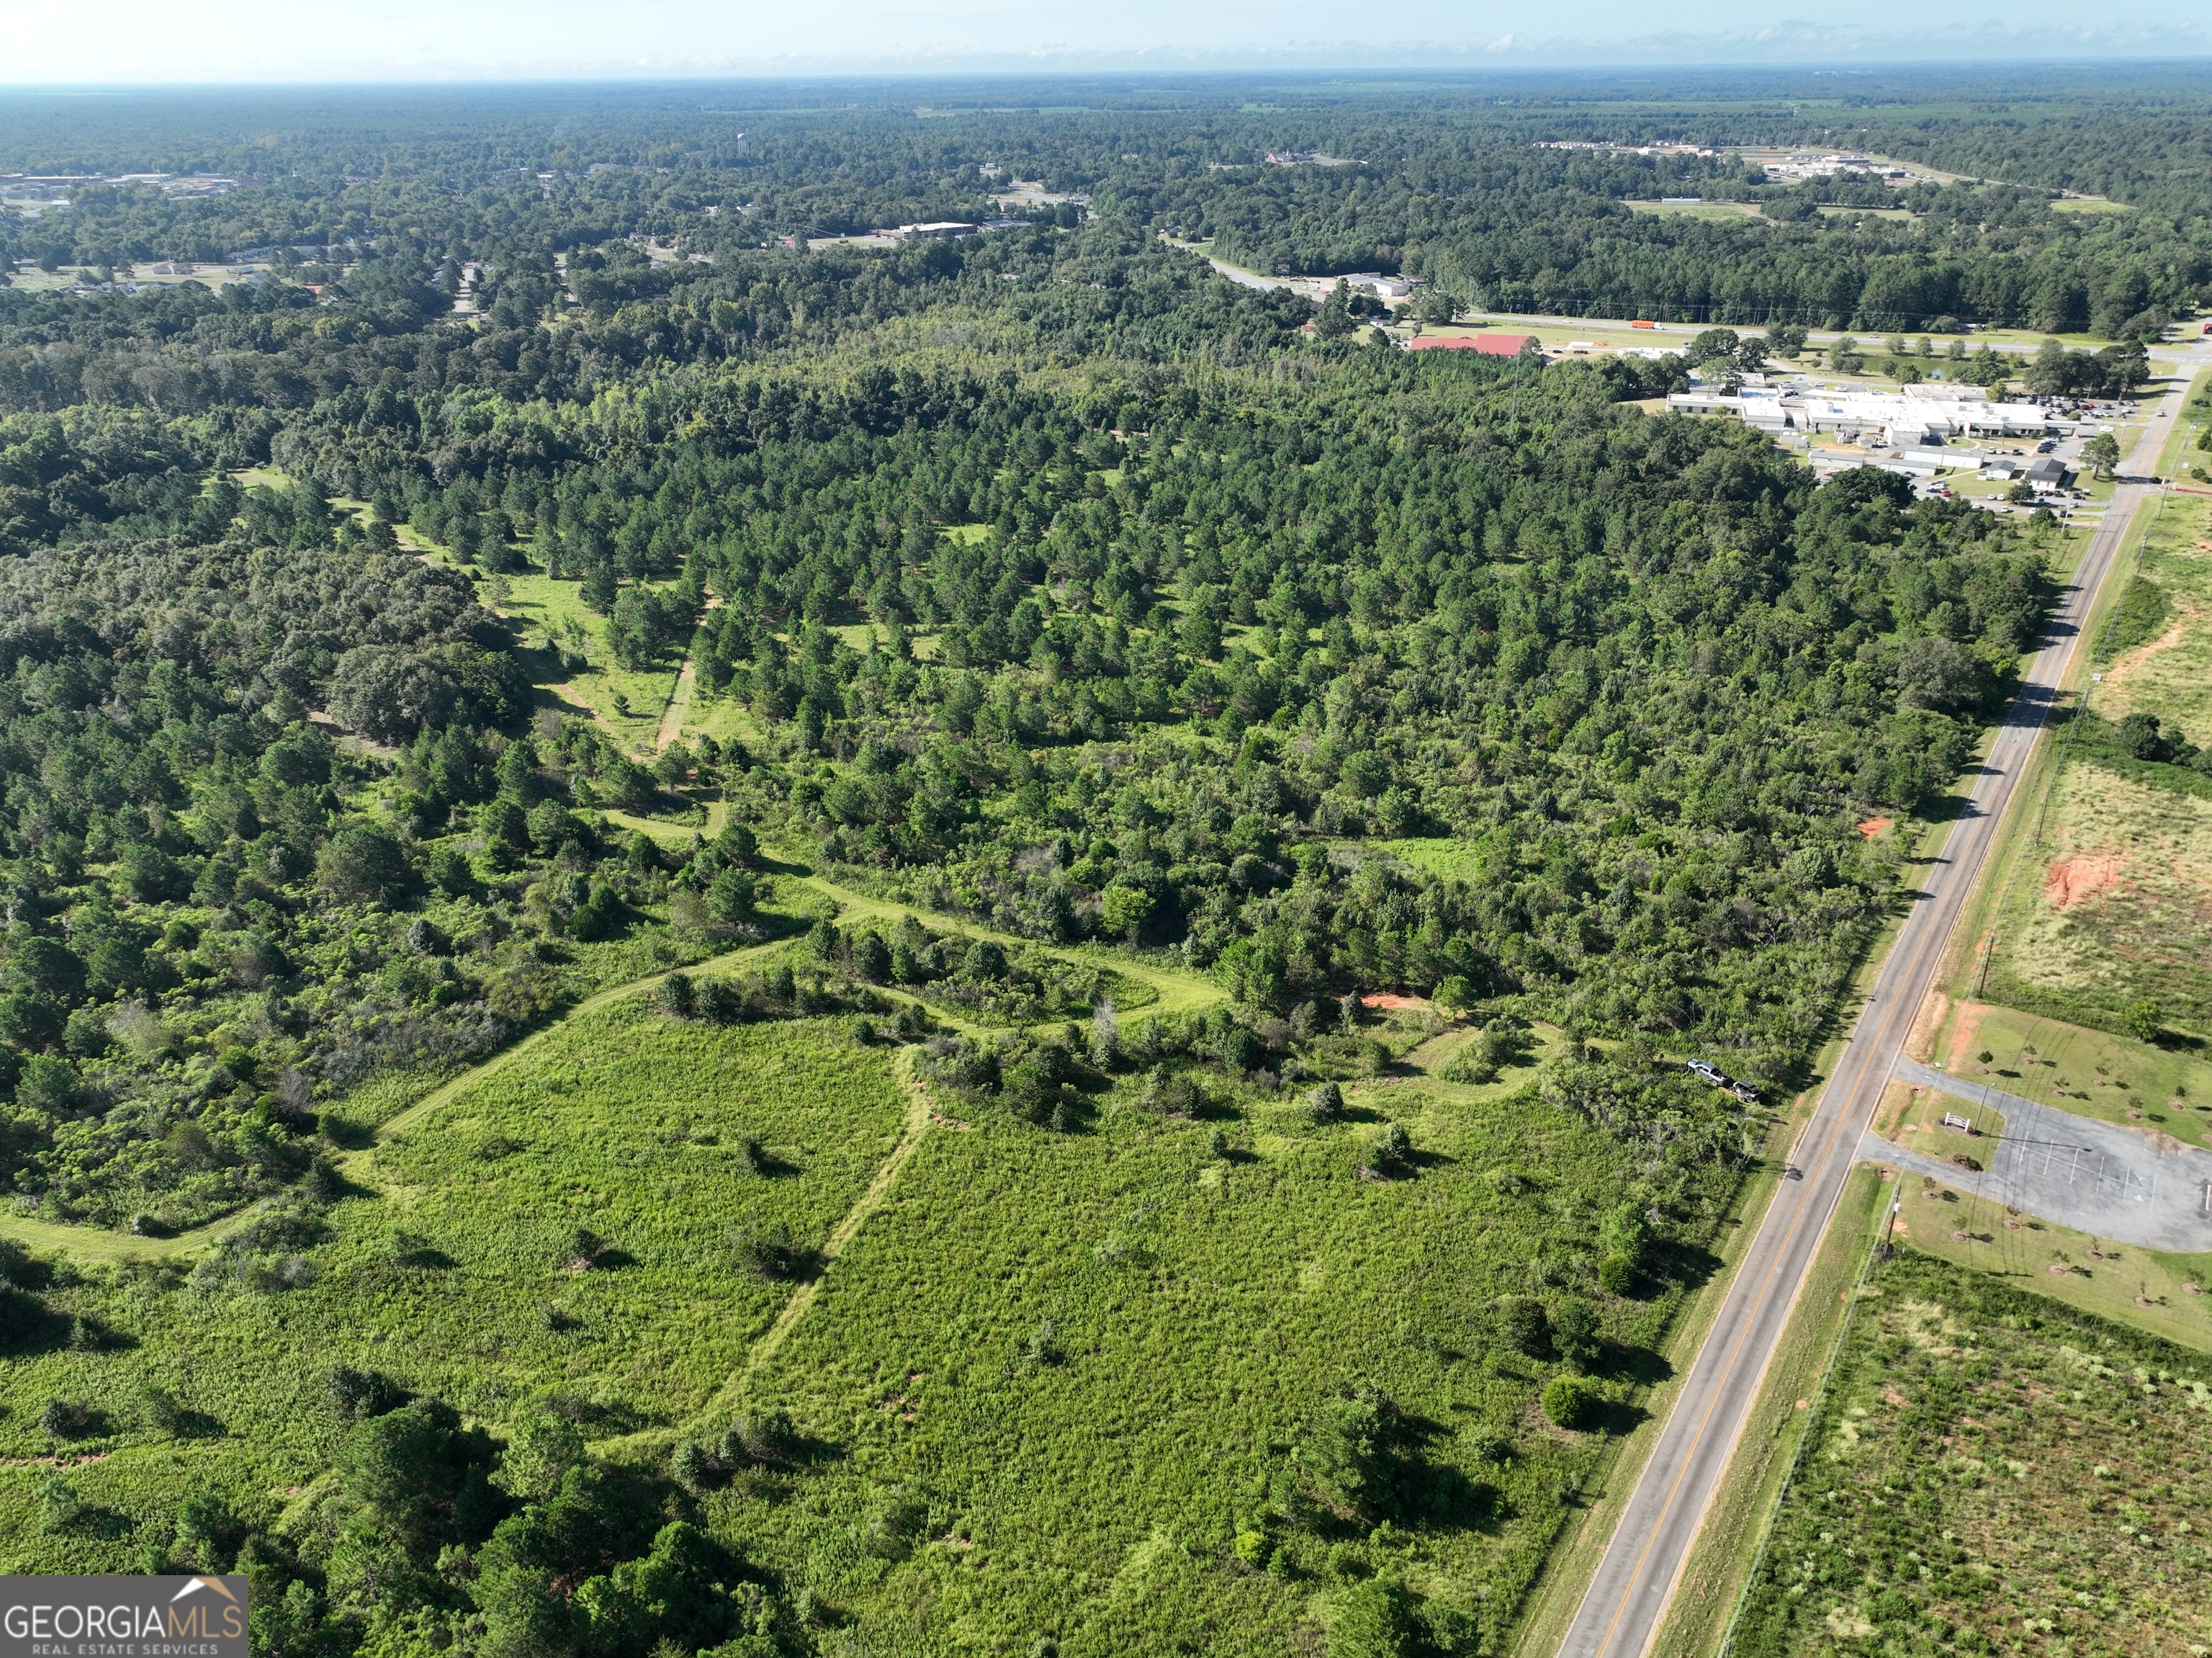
1628, 1596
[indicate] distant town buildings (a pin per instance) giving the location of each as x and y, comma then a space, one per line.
936, 231
1803, 165
1626, 150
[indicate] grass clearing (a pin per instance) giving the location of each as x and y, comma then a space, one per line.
629, 703
1447, 857
2091, 1073
1087, 1361
458, 1276
1992, 1471
1699, 209
2170, 675
2143, 1288
2114, 910
551, 617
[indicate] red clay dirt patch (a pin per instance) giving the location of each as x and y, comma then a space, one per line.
1390, 1004
1873, 826
1963, 1035
2070, 880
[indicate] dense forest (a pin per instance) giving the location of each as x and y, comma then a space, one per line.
1448, 183
1050, 582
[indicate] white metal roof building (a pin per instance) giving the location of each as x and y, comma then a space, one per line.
1921, 420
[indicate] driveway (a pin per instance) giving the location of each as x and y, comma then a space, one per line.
2098, 1177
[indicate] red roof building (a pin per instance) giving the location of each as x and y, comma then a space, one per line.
1488, 344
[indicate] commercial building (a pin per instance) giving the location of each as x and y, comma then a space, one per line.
1921, 417
938, 228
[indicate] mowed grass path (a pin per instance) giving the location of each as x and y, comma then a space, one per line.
94, 1245
1084, 1357
455, 1276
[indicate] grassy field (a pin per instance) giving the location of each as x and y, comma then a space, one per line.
2170, 675
2180, 450
2092, 1073
1994, 1472
2113, 911
2012, 861
1699, 209
551, 617
2163, 1295
454, 1268
629, 703
2101, 897
1059, 1384
1083, 1366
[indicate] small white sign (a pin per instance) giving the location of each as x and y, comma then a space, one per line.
1962, 1123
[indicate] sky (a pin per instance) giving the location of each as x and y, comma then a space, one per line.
142, 41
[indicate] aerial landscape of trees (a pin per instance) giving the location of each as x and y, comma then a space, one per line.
1097, 700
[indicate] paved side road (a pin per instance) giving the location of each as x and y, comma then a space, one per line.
1629, 1593
2113, 1182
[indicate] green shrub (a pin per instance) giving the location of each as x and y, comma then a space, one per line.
1388, 1154
1575, 1330
766, 1252
678, 996
59, 1505
68, 1418
1373, 1619
1354, 1455
357, 1395
1570, 1401
1525, 1326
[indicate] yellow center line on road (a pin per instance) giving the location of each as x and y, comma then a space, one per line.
1627, 1598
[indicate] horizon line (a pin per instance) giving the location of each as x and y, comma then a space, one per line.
1476, 61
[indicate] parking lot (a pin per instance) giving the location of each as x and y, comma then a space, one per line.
2098, 1178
